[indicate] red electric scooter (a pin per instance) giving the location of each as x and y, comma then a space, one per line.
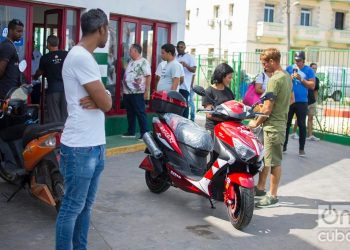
177, 151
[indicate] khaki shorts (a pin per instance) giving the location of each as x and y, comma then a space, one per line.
273, 143
311, 109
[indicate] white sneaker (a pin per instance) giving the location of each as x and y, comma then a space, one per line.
312, 138
294, 136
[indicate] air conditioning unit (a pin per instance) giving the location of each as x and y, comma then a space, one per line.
211, 22
228, 22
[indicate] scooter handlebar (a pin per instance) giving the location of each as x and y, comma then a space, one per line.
205, 110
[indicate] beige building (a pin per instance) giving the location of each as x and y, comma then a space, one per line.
222, 27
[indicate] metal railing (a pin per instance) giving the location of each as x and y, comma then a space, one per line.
333, 103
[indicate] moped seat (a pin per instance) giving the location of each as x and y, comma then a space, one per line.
35, 131
189, 133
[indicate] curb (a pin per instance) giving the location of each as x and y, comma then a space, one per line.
125, 149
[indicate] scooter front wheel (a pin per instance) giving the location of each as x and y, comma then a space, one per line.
156, 184
240, 212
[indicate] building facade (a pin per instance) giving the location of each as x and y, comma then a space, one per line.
151, 23
252, 25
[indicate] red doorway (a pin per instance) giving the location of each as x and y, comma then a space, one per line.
124, 31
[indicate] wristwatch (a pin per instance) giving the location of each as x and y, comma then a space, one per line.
108, 93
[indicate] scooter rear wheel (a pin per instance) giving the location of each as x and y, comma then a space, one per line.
240, 212
156, 184
7, 176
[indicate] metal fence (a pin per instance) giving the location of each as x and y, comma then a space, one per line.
333, 109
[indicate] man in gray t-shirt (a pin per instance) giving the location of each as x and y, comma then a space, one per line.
170, 76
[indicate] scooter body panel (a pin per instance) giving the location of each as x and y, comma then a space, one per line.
37, 149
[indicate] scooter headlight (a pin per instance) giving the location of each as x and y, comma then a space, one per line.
243, 151
49, 142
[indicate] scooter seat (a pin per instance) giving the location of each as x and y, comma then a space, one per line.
189, 133
36, 130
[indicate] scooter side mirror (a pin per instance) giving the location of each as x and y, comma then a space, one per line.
22, 65
199, 90
268, 96
264, 97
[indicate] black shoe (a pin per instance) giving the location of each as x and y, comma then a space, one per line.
140, 138
258, 192
127, 135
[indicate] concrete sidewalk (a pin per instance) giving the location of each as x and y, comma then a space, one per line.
127, 216
117, 145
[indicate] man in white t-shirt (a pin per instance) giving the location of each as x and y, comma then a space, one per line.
136, 83
83, 139
171, 74
189, 66
161, 67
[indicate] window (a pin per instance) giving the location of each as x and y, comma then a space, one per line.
230, 9
193, 52
216, 11
71, 30
210, 62
268, 13
305, 17
7, 13
188, 15
339, 21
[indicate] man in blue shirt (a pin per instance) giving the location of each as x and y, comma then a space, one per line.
303, 78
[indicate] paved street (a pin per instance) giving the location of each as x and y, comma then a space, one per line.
128, 216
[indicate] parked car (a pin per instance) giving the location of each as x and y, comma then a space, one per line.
334, 82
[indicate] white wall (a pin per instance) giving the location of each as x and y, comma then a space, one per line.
163, 10
201, 36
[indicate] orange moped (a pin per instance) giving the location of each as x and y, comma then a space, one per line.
29, 152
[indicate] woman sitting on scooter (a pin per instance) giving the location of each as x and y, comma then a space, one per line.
219, 92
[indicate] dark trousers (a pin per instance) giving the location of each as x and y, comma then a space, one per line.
185, 94
56, 107
135, 107
300, 109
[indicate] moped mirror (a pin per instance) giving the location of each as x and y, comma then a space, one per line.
22, 65
267, 96
199, 90
264, 97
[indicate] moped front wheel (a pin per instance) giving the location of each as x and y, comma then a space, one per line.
240, 212
156, 183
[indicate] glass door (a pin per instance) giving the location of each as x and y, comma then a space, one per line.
112, 60
124, 31
147, 45
128, 38
52, 26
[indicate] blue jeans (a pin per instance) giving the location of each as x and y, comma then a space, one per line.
185, 94
135, 107
81, 168
192, 106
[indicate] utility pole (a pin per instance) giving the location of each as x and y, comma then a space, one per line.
288, 25
219, 21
